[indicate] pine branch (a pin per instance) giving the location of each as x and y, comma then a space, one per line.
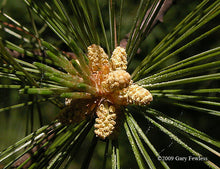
159, 19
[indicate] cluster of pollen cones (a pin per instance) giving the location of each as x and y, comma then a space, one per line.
114, 88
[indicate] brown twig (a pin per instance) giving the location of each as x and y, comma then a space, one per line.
158, 19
